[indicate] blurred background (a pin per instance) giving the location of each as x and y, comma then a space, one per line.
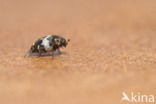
112, 49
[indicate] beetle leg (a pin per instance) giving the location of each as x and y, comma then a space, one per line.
52, 54
40, 53
58, 50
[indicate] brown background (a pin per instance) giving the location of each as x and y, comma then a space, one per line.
112, 49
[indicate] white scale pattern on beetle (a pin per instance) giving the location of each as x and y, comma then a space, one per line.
45, 43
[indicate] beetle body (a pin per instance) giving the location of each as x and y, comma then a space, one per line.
47, 44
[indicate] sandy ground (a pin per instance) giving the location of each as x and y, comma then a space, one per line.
112, 49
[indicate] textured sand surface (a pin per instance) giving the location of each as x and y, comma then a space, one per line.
112, 49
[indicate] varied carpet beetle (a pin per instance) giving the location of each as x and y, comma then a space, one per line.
50, 43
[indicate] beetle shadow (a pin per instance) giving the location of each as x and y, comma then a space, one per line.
54, 54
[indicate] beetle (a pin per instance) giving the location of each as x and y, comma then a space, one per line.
46, 44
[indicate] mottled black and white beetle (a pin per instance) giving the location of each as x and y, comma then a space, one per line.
50, 43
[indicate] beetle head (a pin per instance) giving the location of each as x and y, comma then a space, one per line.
61, 42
